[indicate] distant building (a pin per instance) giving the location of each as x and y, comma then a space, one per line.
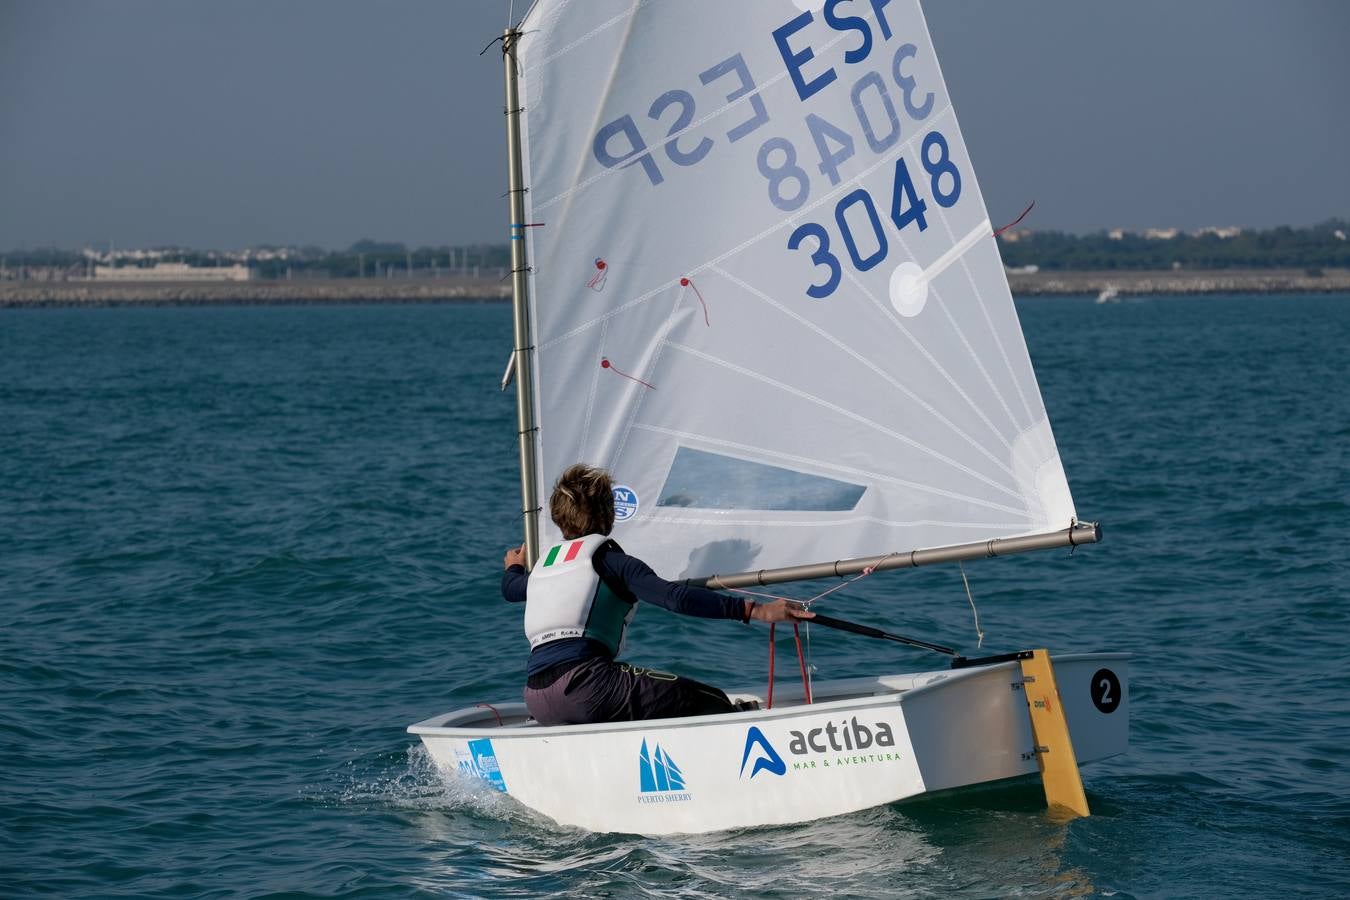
172, 272
1117, 234
1340, 235
1013, 236
1223, 233
1161, 234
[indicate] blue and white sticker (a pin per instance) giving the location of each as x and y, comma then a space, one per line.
625, 503
480, 760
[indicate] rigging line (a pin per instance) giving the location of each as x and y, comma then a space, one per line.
809, 666
689, 282
778, 225
975, 612
494, 711
863, 574
801, 661
597, 280
1016, 220
849, 414
606, 364
893, 382
698, 123
806, 604
823, 466
772, 627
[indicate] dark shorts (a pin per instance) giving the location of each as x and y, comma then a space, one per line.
602, 690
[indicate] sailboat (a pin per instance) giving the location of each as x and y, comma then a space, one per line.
755, 279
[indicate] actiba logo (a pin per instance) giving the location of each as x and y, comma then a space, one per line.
848, 735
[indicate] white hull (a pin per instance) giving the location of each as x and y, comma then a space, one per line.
862, 743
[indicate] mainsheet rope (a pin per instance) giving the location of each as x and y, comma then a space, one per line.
796, 631
806, 682
806, 604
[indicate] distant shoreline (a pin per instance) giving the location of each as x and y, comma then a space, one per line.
37, 294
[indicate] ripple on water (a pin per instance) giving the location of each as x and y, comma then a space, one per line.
251, 545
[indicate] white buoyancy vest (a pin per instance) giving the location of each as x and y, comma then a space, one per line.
565, 598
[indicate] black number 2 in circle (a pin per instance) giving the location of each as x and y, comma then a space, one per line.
1105, 690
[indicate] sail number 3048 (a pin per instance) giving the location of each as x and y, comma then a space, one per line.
907, 207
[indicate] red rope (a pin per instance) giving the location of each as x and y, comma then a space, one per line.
797, 632
1016, 220
771, 628
801, 660
494, 712
606, 364
597, 281
689, 282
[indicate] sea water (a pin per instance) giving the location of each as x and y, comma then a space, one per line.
242, 548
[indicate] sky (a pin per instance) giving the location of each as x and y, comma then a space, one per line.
234, 123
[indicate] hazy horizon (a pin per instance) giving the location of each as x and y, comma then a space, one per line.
208, 125
23, 247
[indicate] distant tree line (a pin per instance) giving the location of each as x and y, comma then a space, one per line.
1321, 246
1316, 247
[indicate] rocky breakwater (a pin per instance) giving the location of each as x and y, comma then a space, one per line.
1181, 281
479, 290
353, 290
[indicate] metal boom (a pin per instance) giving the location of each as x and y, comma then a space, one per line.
1078, 533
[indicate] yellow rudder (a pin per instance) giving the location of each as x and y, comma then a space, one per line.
1054, 747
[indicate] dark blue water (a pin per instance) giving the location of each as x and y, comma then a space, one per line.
241, 549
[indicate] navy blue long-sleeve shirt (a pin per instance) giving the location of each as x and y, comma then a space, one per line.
632, 580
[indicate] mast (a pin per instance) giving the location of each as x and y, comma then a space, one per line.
1075, 534
520, 302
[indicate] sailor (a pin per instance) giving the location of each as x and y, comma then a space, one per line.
583, 593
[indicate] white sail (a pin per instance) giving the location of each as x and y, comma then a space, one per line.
766, 292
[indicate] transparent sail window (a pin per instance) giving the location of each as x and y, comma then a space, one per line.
712, 481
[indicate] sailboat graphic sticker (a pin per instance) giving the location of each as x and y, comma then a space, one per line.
659, 777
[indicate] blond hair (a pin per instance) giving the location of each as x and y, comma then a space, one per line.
583, 501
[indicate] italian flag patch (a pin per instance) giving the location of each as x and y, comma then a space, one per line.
573, 548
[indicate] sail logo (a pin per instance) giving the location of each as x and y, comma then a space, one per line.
625, 503
659, 777
766, 758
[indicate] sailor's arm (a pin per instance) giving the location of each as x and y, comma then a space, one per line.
638, 577
515, 578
